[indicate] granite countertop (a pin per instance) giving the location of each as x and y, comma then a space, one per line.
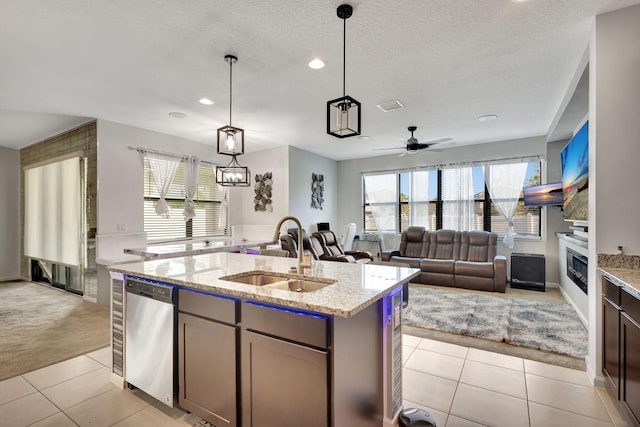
357, 285
623, 270
200, 247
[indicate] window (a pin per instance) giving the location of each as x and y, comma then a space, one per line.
207, 200
448, 197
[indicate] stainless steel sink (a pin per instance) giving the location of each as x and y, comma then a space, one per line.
297, 285
279, 281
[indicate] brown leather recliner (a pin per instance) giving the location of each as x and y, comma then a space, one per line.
331, 247
311, 245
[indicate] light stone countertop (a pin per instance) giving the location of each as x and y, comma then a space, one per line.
171, 250
628, 279
357, 286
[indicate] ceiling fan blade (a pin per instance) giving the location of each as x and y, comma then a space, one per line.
437, 141
389, 148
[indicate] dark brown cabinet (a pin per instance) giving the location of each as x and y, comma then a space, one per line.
207, 357
630, 356
621, 346
611, 334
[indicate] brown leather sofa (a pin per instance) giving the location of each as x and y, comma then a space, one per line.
461, 259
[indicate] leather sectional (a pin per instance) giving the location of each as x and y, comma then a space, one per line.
461, 259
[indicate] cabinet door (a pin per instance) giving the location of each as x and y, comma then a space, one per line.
611, 342
207, 369
283, 384
630, 372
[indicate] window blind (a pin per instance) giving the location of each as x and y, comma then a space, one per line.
207, 199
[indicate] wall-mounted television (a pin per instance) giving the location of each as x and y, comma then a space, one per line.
575, 176
541, 195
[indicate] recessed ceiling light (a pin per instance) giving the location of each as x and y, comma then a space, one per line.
206, 101
364, 137
177, 115
487, 118
519, 1
316, 64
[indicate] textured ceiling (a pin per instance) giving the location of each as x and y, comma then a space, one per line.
134, 62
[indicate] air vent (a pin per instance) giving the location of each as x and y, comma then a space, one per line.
390, 105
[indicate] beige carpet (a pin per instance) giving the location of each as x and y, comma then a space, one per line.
40, 325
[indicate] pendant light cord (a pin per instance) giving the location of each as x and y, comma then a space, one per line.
344, 55
230, 88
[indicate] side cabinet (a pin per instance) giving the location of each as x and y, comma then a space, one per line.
207, 357
630, 356
285, 380
611, 334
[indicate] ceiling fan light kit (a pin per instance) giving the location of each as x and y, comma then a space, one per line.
344, 113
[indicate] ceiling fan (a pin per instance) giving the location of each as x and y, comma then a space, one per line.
413, 146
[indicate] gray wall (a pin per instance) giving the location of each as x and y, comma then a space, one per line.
10, 214
301, 165
350, 196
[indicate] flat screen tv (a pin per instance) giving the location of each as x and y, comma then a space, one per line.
575, 176
541, 195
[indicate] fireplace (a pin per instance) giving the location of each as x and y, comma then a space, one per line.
577, 269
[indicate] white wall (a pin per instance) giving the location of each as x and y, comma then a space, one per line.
241, 204
10, 213
614, 109
302, 164
120, 178
350, 196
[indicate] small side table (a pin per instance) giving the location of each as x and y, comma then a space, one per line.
528, 271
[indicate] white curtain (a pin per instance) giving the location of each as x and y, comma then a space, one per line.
191, 172
224, 206
505, 184
457, 195
163, 169
419, 199
381, 194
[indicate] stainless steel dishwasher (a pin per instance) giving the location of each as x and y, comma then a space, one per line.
150, 344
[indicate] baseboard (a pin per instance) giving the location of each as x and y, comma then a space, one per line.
11, 279
575, 308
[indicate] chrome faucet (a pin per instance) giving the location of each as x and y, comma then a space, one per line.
301, 264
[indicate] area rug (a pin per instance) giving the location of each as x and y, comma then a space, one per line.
40, 326
551, 327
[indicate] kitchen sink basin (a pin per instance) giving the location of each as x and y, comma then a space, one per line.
277, 281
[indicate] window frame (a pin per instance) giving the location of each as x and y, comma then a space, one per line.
486, 202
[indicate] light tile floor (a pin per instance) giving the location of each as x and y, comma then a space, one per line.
459, 386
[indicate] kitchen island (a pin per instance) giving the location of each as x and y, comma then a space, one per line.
261, 344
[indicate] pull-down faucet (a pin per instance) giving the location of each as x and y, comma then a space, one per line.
301, 264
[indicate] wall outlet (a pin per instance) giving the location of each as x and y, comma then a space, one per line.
121, 227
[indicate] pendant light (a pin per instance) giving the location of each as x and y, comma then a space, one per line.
343, 114
230, 139
233, 175
231, 143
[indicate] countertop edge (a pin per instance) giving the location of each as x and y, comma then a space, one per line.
268, 299
622, 277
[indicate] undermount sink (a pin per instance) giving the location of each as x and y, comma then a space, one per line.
277, 281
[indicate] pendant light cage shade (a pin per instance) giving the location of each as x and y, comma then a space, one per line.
233, 175
343, 117
344, 114
230, 141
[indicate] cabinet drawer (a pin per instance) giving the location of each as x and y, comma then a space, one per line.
307, 328
631, 305
611, 291
208, 306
